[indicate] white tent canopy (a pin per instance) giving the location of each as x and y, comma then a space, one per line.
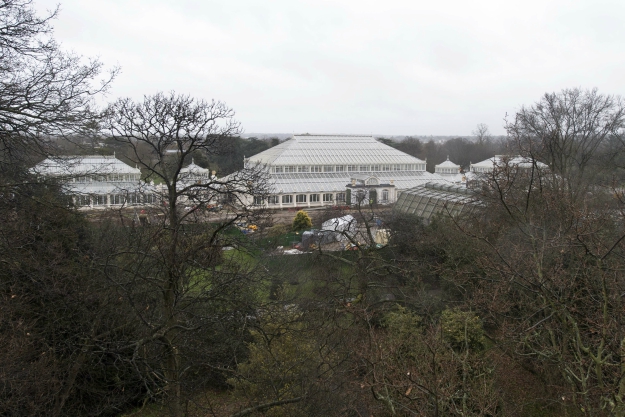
339, 228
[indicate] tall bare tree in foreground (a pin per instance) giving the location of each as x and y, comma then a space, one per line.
578, 133
189, 297
52, 306
546, 264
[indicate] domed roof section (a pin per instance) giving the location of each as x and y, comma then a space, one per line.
193, 169
449, 171
193, 172
447, 164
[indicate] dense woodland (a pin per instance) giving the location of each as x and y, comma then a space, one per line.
514, 311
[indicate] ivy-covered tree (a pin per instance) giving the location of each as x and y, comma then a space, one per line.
62, 327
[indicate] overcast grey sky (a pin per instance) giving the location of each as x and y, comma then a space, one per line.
353, 66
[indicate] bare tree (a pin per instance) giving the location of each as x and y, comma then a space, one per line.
171, 278
545, 269
482, 134
165, 131
578, 133
44, 91
53, 307
421, 368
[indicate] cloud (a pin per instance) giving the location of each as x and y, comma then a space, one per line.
354, 66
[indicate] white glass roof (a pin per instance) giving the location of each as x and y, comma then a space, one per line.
83, 165
513, 160
446, 164
427, 200
332, 150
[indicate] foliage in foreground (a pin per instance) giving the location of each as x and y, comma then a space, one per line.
96, 318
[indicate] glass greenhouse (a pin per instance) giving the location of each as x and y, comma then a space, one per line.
315, 170
431, 199
98, 181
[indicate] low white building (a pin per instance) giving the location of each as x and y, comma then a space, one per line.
98, 181
318, 170
449, 171
498, 163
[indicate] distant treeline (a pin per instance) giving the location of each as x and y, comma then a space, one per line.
459, 150
239, 148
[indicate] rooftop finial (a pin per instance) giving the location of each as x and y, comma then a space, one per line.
448, 157
192, 161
